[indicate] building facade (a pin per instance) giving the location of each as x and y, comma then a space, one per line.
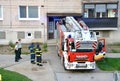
35, 20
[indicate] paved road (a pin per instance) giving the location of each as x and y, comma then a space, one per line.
62, 75
53, 70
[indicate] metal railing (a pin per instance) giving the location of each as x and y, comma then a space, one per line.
101, 22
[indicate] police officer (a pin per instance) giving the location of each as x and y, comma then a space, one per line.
38, 53
32, 53
19, 48
16, 52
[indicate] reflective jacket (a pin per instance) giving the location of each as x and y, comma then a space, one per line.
32, 48
38, 52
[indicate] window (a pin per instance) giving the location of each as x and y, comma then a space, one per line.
28, 13
106, 34
33, 12
23, 12
112, 10
21, 35
37, 34
97, 34
29, 35
2, 35
89, 11
100, 10
1, 13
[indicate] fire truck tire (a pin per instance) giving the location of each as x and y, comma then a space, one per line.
64, 64
58, 54
57, 51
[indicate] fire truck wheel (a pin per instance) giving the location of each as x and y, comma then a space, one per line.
57, 51
64, 64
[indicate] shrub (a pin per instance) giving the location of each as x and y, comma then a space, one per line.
11, 44
45, 47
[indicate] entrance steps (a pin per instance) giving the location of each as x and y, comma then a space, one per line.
51, 41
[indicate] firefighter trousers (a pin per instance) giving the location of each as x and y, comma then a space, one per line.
32, 57
39, 59
16, 56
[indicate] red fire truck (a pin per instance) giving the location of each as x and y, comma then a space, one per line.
77, 47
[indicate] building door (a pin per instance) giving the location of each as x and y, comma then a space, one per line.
55, 27
50, 30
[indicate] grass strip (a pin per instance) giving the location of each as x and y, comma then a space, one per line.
12, 76
109, 64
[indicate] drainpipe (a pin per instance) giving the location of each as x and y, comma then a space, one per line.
10, 14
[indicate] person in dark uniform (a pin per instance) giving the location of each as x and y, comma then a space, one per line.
100, 46
16, 52
38, 53
19, 48
32, 53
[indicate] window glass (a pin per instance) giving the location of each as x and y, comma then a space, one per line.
29, 34
2, 35
33, 12
23, 12
89, 6
111, 6
112, 10
100, 10
89, 11
28, 12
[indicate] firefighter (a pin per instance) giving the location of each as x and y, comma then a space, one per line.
100, 46
38, 53
32, 53
70, 43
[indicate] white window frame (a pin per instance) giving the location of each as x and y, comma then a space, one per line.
1, 18
27, 18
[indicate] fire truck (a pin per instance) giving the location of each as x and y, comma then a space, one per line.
78, 47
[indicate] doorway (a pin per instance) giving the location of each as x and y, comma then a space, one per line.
52, 20
52, 29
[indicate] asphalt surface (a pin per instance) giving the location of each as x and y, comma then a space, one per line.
32, 71
45, 72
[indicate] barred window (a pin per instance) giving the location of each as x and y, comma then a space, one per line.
37, 34
21, 35
2, 35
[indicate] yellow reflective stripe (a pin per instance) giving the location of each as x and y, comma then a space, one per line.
38, 55
39, 51
0, 77
38, 63
32, 53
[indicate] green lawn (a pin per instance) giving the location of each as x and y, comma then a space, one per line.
12, 76
109, 64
